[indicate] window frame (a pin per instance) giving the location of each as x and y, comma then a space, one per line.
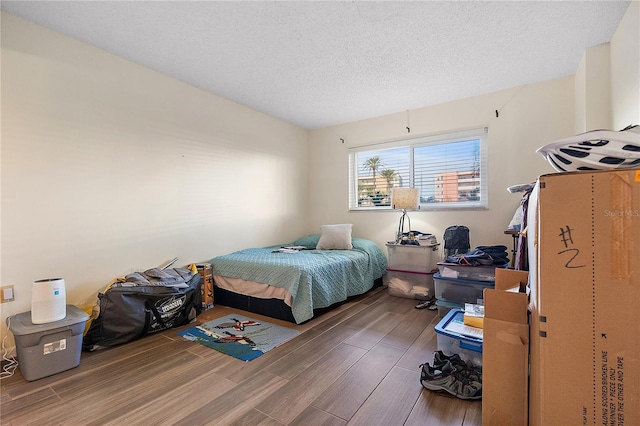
412, 144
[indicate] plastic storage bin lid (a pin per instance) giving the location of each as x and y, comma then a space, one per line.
452, 325
449, 305
488, 284
21, 324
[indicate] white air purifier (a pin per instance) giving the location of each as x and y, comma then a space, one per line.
48, 301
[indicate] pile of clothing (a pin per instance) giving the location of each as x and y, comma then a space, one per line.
481, 255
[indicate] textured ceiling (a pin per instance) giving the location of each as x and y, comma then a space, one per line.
316, 64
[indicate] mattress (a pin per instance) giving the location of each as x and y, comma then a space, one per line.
309, 279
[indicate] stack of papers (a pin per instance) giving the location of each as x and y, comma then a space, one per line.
290, 249
464, 330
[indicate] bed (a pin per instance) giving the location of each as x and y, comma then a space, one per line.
297, 285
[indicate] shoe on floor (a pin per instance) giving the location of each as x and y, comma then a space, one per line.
448, 379
439, 358
463, 369
425, 304
435, 378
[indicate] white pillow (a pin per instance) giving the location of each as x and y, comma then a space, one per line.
335, 237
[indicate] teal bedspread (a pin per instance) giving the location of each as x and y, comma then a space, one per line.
314, 278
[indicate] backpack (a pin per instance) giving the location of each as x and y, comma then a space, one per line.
456, 240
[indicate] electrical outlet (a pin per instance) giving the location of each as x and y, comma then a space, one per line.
7, 294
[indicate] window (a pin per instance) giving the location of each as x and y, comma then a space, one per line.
450, 171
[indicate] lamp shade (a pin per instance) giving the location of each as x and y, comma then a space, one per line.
405, 198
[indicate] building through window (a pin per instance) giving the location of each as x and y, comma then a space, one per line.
449, 170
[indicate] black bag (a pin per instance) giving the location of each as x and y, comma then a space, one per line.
456, 240
130, 311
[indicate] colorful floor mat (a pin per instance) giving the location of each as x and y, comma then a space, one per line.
239, 336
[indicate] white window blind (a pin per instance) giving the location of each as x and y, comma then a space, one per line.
450, 171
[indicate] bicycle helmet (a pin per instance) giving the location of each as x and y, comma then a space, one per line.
595, 150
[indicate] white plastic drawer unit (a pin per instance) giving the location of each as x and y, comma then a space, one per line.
414, 258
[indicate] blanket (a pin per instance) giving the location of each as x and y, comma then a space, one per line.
314, 278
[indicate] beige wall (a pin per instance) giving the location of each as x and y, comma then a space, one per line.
529, 117
607, 81
625, 69
109, 167
593, 90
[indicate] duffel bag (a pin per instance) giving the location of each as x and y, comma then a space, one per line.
131, 310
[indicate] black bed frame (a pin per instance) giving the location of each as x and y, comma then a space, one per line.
274, 308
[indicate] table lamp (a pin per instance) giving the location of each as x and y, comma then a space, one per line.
404, 199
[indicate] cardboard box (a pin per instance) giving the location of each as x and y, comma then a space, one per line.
473, 321
585, 341
206, 272
474, 315
506, 350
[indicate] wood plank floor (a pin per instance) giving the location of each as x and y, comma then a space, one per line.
356, 365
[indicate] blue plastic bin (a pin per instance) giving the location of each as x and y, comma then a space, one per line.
454, 337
